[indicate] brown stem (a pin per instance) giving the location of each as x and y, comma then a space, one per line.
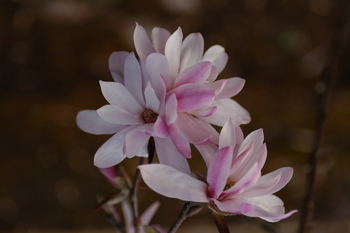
220, 222
327, 79
182, 217
133, 195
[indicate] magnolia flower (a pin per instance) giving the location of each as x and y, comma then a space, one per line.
234, 184
135, 114
193, 99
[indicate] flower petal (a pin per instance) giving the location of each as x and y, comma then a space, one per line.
191, 50
197, 73
207, 151
172, 183
227, 134
117, 116
180, 141
193, 97
218, 171
157, 65
227, 108
171, 109
191, 128
270, 183
120, 97
135, 140
152, 101
147, 215
173, 52
233, 206
269, 208
109, 174
248, 180
116, 65
111, 152
142, 43
159, 39
232, 87
90, 122
169, 155
217, 55
133, 78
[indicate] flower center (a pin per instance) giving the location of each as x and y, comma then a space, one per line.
149, 116
229, 185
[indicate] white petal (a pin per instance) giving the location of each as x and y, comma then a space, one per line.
90, 122
120, 97
173, 52
191, 50
135, 140
133, 79
116, 65
217, 55
169, 155
111, 152
172, 183
157, 65
152, 101
117, 116
143, 45
159, 39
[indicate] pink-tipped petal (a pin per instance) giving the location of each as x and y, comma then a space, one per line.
116, 65
111, 152
173, 52
247, 181
218, 172
232, 87
205, 113
180, 141
143, 45
152, 101
157, 65
270, 183
172, 183
228, 108
193, 97
120, 97
197, 134
109, 174
217, 55
191, 50
135, 140
148, 214
159, 39
197, 73
269, 208
133, 79
169, 155
115, 115
227, 134
213, 74
233, 206
160, 127
171, 109
217, 86
90, 122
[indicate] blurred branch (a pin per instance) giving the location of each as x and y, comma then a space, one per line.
327, 79
183, 215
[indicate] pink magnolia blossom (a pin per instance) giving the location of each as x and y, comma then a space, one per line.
234, 184
194, 98
135, 113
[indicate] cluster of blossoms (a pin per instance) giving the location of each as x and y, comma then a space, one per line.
171, 93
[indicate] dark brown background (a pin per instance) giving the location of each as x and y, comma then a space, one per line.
53, 52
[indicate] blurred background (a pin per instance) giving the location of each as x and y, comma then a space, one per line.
54, 52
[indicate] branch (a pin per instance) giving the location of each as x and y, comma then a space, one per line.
182, 217
327, 78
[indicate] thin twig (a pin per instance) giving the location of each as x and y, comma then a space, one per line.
220, 222
327, 79
114, 223
182, 217
133, 195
